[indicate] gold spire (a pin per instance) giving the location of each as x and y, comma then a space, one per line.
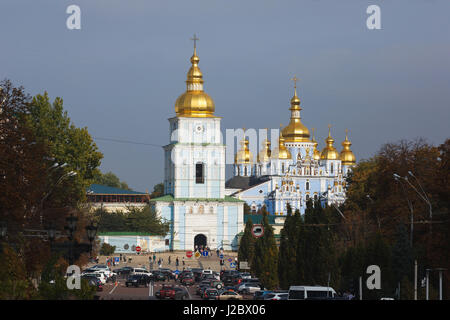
296, 131
316, 153
265, 153
281, 152
329, 152
243, 156
347, 157
194, 102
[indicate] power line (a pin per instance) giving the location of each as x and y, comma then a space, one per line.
129, 142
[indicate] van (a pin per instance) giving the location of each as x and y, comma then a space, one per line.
310, 292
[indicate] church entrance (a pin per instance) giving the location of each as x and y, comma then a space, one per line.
200, 241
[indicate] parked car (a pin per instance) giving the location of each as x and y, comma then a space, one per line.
98, 275
140, 271
158, 276
93, 281
173, 293
248, 288
210, 294
137, 280
276, 296
232, 280
188, 280
229, 295
168, 273
184, 274
246, 275
259, 295
227, 273
310, 292
124, 271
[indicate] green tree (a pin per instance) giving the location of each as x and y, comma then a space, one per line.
247, 244
67, 144
107, 249
265, 260
402, 255
111, 180
158, 190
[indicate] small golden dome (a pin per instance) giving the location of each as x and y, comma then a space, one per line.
347, 157
296, 131
329, 152
265, 153
243, 156
194, 102
281, 152
316, 153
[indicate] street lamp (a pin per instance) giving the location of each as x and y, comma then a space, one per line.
91, 232
423, 195
3, 229
71, 228
410, 206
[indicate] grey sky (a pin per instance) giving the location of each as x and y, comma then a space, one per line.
122, 72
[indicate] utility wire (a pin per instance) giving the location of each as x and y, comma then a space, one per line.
129, 142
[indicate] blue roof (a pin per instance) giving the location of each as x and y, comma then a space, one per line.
99, 189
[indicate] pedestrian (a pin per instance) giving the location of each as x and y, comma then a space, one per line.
183, 263
169, 260
177, 262
154, 258
217, 251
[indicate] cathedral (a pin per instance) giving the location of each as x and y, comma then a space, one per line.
294, 171
195, 203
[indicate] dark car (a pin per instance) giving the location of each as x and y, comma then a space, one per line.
168, 273
158, 276
137, 280
228, 273
232, 280
184, 274
259, 295
93, 281
210, 294
173, 293
188, 280
124, 271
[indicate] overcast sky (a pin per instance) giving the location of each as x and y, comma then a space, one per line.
122, 72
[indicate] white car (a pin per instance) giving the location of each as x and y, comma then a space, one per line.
99, 275
246, 275
140, 271
276, 296
247, 288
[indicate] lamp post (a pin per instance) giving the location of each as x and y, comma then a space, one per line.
71, 228
91, 232
423, 195
410, 206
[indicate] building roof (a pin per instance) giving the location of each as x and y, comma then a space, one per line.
239, 182
170, 198
100, 189
258, 218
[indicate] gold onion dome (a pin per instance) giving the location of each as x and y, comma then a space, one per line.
243, 156
281, 152
296, 131
329, 152
194, 102
265, 153
316, 153
347, 157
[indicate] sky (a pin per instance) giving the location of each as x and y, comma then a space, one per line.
120, 74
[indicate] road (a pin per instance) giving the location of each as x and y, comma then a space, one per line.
119, 291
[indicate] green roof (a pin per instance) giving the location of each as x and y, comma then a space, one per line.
170, 198
258, 218
100, 189
125, 233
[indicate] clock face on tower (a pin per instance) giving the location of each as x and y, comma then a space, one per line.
198, 128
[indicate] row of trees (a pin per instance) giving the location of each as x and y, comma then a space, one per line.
321, 247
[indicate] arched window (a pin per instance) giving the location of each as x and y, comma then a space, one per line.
331, 168
307, 185
315, 197
282, 167
245, 171
199, 173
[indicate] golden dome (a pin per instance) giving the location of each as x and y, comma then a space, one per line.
329, 152
316, 153
194, 102
347, 157
296, 131
281, 152
264, 154
243, 156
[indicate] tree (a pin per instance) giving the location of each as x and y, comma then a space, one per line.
247, 244
111, 180
107, 249
402, 255
67, 144
265, 260
158, 190
288, 268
